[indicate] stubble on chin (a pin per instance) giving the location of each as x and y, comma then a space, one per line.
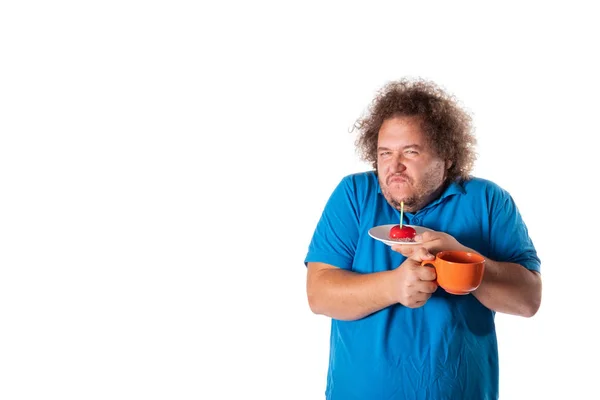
422, 195
409, 202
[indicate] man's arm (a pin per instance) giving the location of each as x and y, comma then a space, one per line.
510, 288
506, 287
347, 295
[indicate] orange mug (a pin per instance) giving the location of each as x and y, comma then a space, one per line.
458, 272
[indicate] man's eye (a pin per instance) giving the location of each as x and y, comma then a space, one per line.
385, 153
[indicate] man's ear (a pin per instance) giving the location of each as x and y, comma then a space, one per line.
449, 164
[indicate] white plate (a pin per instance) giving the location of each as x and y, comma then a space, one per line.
382, 233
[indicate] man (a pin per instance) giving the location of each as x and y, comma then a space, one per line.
394, 333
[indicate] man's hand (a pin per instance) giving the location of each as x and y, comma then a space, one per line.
415, 282
433, 241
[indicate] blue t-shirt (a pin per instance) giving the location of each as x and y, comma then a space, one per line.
445, 349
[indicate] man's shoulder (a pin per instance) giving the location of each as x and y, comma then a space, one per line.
477, 185
359, 188
492, 192
360, 181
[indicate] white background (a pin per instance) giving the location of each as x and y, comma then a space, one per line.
163, 166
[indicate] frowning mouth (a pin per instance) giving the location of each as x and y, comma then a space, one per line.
397, 179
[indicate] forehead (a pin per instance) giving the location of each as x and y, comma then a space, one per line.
401, 131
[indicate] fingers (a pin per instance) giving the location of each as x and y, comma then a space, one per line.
428, 236
423, 238
431, 240
421, 254
405, 250
416, 253
422, 292
417, 284
426, 287
418, 299
426, 274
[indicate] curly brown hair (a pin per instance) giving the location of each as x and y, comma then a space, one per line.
447, 127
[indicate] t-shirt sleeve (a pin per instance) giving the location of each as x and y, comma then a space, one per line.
336, 235
510, 241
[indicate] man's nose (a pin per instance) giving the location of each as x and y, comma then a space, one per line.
398, 164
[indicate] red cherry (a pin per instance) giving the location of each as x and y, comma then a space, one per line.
404, 233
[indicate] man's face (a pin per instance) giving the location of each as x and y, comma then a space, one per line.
408, 169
